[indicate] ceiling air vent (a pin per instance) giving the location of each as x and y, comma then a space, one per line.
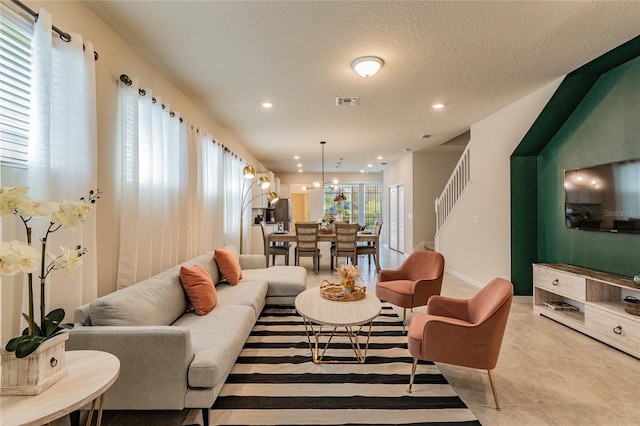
344, 101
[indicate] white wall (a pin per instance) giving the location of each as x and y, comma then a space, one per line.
400, 172
423, 175
431, 171
476, 240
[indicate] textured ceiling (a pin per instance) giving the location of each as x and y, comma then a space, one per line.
475, 57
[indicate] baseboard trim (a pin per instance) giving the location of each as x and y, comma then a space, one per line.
465, 278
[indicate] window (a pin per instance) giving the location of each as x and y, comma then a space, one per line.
363, 204
16, 36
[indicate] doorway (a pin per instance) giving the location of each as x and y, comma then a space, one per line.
396, 217
299, 207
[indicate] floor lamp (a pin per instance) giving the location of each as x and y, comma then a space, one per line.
249, 173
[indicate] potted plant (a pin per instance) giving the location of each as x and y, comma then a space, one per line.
21, 257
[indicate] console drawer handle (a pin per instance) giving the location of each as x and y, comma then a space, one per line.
555, 282
618, 329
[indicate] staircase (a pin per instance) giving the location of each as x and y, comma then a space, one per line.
458, 183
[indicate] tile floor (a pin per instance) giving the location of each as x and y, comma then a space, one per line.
547, 374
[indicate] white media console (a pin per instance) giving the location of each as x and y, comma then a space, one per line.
595, 302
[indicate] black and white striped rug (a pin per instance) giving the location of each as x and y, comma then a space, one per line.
275, 382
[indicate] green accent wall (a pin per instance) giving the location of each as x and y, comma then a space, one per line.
605, 127
592, 118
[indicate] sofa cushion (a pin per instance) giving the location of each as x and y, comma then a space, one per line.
228, 265
248, 293
283, 280
158, 300
209, 263
217, 339
199, 288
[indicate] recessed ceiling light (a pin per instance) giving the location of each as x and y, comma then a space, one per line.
369, 165
379, 157
406, 149
300, 170
296, 157
437, 106
267, 104
362, 171
299, 164
304, 188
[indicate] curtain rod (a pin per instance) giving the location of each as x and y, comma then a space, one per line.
63, 36
126, 80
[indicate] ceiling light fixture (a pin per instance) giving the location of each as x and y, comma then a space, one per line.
340, 197
437, 106
267, 104
367, 66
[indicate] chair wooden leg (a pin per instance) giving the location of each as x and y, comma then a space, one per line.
404, 318
413, 373
493, 389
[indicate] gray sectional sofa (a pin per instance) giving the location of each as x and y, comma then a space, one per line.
171, 358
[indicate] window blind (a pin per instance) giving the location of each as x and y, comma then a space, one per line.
16, 34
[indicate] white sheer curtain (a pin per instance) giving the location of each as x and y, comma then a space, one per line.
62, 152
154, 187
209, 225
232, 199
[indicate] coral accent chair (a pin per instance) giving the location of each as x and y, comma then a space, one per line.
413, 283
467, 333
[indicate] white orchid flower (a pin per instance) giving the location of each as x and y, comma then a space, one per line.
70, 213
11, 197
17, 256
68, 260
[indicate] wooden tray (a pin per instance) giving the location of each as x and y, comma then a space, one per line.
332, 291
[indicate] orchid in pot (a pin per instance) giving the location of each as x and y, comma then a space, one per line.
20, 256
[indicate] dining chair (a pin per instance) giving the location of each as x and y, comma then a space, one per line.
307, 244
467, 333
371, 247
275, 249
345, 243
417, 279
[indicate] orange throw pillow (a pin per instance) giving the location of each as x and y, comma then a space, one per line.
228, 266
199, 288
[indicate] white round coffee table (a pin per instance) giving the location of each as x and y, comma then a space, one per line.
89, 375
324, 317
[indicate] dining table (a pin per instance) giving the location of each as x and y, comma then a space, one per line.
363, 236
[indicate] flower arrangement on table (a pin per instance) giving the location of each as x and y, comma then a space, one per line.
325, 223
19, 256
328, 218
349, 275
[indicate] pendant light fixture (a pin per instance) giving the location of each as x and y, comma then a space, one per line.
322, 182
340, 197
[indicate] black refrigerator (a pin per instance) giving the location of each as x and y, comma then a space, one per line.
282, 212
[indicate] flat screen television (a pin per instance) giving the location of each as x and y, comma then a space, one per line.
604, 197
